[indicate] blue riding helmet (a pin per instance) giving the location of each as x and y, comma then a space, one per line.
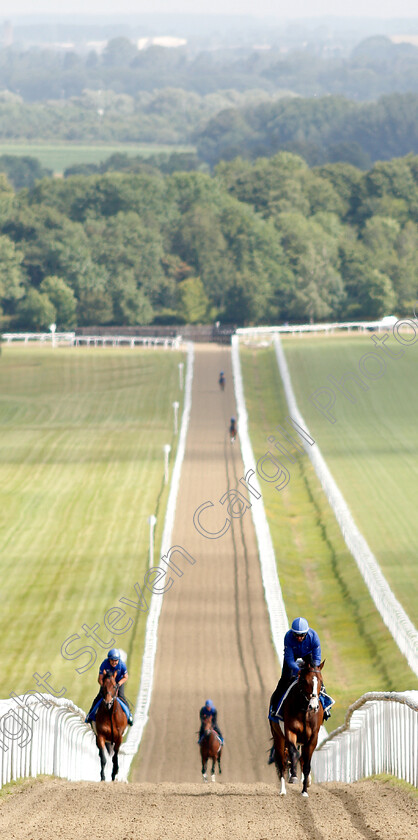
300, 627
209, 703
113, 654
221, 373
232, 419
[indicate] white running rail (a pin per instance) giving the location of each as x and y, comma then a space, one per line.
174, 342
273, 594
380, 735
46, 739
391, 611
130, 747
272, 591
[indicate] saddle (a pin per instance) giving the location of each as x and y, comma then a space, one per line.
92, 715
324, 698
276, 715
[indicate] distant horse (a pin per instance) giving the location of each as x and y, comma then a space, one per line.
233, 430
110, 724
210, 747
302, 717
222, 381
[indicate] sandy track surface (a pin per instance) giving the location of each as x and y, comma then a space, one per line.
214, 633
58, 810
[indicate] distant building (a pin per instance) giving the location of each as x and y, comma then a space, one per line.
160, 41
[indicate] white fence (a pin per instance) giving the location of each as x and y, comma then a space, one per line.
128, 340
347, 326
133, 740
391, 611
27, 337
380, 735
46, 739
71, 338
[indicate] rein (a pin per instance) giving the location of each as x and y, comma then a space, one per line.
307, 698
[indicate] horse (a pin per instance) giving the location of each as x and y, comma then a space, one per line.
110, 724
302, 718
210, 747
233, 431
222, 382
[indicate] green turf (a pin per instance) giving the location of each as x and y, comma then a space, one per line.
59, 156
372, 449
318, 575
81, 468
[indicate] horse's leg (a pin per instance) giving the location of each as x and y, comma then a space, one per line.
293, 755
219, 760
306, 764
307, 752
279, 756
115, 770
100, 742
204, 763
213, 769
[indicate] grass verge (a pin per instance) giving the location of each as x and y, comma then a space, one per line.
81, 468
371, 449
318, 575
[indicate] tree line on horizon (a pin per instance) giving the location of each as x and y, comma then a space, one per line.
374, 67
224, 125
268, 241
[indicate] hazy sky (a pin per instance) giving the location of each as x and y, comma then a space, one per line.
287, 9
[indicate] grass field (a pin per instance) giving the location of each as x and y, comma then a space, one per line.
59, 156
372, 449
318, 575
81, 469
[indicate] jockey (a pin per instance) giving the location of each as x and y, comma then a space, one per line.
221, 377
112, 665
300, 643
209, 711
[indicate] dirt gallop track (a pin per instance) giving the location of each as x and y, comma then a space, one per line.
58, 810
214, 634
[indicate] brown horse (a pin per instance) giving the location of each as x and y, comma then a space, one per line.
302, 718
110, 724
210, 747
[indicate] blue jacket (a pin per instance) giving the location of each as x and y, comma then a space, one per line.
119, 671
294, 650
207, 713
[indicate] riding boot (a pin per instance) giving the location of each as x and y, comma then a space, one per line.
281, 687
121, 693
96, 700
218, 731
272, 755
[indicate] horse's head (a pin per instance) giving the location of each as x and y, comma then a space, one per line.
109, 689
310, 683
207, 726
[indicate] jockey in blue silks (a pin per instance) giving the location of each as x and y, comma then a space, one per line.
209, 711
112, 665
300, 642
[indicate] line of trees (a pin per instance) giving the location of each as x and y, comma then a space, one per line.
227, 124
375, 66
324, 130
263, 242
